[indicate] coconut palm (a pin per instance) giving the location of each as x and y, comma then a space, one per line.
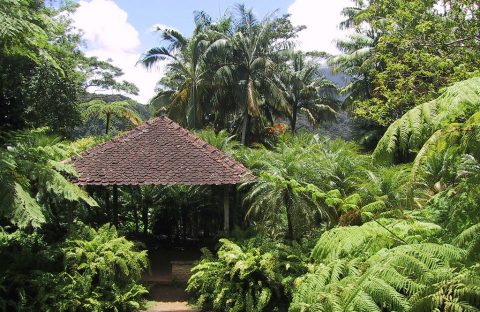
251, 68
307, 90
100, 109
186, 83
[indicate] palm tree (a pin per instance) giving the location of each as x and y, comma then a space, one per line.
187, 80
307, 90
286, 196
355, 61
102, 110
250, 66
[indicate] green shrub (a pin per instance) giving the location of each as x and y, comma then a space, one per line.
89, 271
255, 276
101, 272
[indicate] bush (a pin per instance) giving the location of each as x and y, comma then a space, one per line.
89, 271
255, 276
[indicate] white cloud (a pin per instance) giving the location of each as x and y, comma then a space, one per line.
160, 27
322, 18
109, 35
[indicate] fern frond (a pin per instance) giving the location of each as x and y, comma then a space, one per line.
409, 133
26, 210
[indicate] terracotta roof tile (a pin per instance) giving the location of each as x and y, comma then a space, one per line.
157, 152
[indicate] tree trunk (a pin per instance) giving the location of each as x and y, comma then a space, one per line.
184, 224
194, 105
107, 124
115, 205
245, 127
235, 213
289, 213
135, 217
293, 123
251, 109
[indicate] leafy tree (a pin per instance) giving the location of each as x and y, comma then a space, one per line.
273, 199
106, 111
40, 83
103, 76
25, 27
227, 70
302, 184
252, 65
405, 52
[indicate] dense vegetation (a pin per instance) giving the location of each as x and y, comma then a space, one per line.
389, 221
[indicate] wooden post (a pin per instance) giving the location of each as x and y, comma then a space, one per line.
115, 205
226, 208
144, 212
107, 204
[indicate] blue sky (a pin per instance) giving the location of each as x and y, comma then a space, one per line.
179, 14
121, 30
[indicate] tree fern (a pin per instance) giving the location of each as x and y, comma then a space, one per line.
408, 134
99, 109
470, 239
32, 171
369, 238
390, 279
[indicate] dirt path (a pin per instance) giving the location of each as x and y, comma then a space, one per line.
165, 295
171, 307
169, 298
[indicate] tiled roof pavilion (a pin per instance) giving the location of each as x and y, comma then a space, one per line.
158, 152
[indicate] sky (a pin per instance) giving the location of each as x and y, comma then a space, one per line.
121, 30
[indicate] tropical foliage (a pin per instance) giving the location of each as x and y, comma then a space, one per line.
231, 74
90, 271
326, 225
408, 134
403, 52
99, 109
33, 175
256, 276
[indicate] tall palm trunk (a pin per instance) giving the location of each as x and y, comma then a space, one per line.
245, 126
193, 107
293, 121
251, 109
107, 124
